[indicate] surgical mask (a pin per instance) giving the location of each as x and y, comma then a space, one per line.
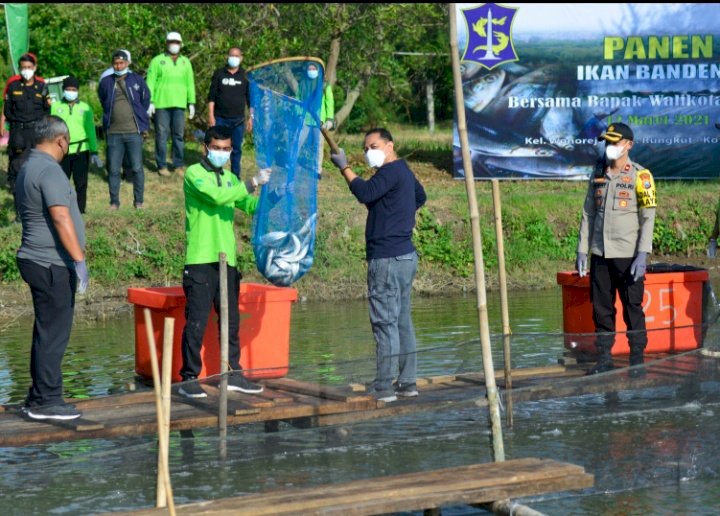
27, 74
313, 74
121, 72
218, 158
233, 61
614, 152
70, 95
174, 48
375, 158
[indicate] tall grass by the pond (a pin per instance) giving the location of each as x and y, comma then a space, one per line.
540, 225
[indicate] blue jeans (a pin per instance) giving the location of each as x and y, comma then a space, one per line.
389, 288
118, 147
237, 125
170, 121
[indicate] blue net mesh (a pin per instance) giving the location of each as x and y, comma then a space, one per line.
286, 103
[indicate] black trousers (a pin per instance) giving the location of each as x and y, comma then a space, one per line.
76, 167
19, 141
607, 277
53, 295
201, 284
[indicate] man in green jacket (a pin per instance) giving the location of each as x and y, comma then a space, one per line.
211, 196
172, 89
78, 116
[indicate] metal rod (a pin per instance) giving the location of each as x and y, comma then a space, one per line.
502, 280
159, 408
492, 394
166, 379
224, 333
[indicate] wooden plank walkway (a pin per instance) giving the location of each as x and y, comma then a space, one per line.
471, 484
307, 404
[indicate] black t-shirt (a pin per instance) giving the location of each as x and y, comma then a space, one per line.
230, 92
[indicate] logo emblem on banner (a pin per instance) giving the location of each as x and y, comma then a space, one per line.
489, 38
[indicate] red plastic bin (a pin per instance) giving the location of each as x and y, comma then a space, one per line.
672, 303
264, 330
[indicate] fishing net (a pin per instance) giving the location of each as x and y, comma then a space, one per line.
286, 103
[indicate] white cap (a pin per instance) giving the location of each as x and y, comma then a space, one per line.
173, 36
129, 59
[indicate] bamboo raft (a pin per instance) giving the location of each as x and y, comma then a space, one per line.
306, 404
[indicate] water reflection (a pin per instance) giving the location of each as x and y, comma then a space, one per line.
653, 451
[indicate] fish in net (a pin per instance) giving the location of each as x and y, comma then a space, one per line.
286, 96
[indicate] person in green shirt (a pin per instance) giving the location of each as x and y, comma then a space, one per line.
79, 117
211, 196
172, 90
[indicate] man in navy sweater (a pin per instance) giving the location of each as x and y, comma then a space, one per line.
392, 196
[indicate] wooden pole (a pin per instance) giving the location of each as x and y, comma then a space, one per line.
492, 394
159, 409
430, 97
224, 334
502, 279
167, 357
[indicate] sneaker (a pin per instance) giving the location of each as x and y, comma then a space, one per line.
237, 382
164, 172
387, 395
180, 171
190, 388
62, 411
405, 390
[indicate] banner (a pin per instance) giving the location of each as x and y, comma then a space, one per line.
16, 20
542, 81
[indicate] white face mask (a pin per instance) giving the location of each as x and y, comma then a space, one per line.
313, 74
218, 158
174, 48
70, 95
375, 158
27, 74
233, 61
614, 152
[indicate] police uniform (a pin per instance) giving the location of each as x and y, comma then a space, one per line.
617, 224
24, 105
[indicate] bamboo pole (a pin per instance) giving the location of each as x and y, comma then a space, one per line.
224, 333
167, 357
502, 280
159, 409
492, 394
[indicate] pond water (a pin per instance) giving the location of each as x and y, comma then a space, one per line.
652, 451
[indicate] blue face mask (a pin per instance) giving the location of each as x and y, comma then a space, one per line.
121, 72
70, 96
313, 74
218, 158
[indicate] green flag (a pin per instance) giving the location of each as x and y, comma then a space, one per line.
16, 18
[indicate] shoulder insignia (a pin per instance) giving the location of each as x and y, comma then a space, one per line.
645, 190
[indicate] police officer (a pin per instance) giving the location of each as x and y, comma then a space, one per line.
26, 102
617, 231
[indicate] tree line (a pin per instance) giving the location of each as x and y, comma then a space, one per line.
360, 44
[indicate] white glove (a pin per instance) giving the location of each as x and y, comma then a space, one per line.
95, 160
191, 111
151, 110
262, 177
712, 248
581, 264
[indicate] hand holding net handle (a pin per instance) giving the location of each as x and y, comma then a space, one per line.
333, 146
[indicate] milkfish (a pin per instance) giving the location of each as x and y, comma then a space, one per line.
506, 144
559, 127
283, 257
480, 91
541, 167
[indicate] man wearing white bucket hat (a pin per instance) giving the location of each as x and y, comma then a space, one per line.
172, 87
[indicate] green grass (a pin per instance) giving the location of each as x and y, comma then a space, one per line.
132, 248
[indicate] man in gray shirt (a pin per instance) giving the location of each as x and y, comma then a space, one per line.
51, 260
